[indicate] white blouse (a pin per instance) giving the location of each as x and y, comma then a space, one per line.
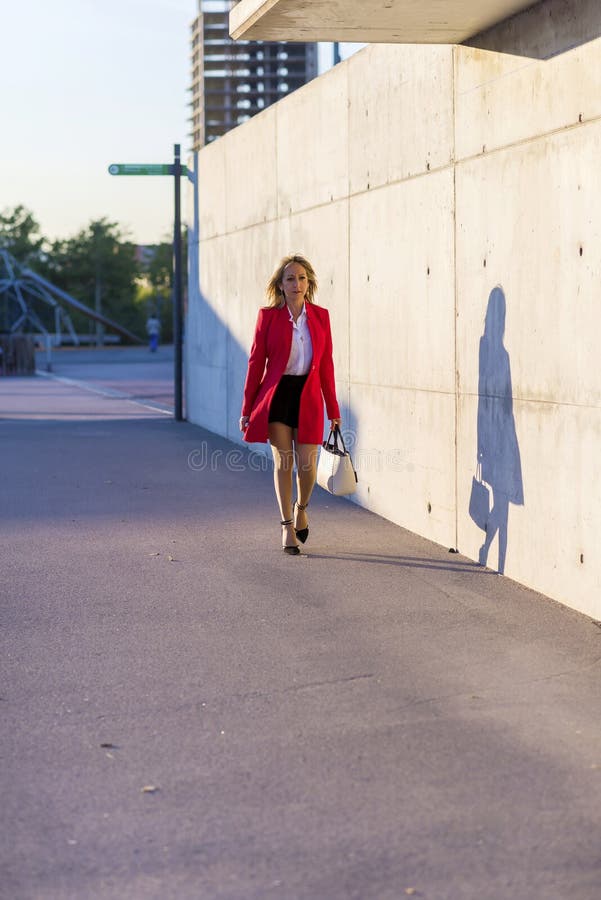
301, 350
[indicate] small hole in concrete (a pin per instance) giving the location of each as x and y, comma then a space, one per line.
368, 277
428, 270
580, 117
429, 507
484, 263
582, 557
581, 251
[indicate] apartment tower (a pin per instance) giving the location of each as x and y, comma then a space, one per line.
234, 80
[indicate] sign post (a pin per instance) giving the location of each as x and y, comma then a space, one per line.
140, 169
177, 170
177, 286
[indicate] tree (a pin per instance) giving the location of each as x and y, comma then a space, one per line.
20, 235
155, 285
98, 267
159, 270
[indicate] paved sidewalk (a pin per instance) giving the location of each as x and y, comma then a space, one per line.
375, 719
131, 371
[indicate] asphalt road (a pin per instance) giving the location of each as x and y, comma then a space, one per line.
189, 713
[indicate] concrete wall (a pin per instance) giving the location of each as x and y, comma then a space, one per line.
434, 189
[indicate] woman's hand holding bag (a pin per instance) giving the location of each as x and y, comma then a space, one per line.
335, 472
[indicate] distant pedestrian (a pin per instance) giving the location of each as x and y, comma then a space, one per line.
153, 330
290, 374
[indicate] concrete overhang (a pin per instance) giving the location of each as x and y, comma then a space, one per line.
369, 21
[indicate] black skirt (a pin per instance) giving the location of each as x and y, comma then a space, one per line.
286, 400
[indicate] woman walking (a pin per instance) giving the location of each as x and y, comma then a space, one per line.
290, 374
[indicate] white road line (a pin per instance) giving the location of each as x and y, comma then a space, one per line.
105, 392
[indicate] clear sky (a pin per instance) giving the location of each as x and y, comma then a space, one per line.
86, 83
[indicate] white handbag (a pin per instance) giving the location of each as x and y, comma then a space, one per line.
335, 472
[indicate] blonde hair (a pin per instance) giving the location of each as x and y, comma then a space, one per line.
275, 296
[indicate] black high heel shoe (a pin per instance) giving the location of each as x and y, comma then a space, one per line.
302, 533
291, 549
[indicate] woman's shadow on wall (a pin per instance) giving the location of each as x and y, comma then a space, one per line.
498, 450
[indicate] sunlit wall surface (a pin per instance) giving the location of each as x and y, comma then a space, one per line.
448, 199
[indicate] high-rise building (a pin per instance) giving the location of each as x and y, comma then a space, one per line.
234, 80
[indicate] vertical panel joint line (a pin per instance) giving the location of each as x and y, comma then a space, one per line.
455, 63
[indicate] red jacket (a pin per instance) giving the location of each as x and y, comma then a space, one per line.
266, 365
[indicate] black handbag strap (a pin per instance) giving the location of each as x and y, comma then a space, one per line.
331, 444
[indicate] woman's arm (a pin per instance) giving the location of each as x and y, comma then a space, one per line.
256, 364
326, 373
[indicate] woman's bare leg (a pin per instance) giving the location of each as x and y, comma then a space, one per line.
306, 473
280, 438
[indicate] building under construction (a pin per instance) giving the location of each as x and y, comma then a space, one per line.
234, 80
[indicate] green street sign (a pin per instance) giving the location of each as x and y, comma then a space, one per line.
142, 169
